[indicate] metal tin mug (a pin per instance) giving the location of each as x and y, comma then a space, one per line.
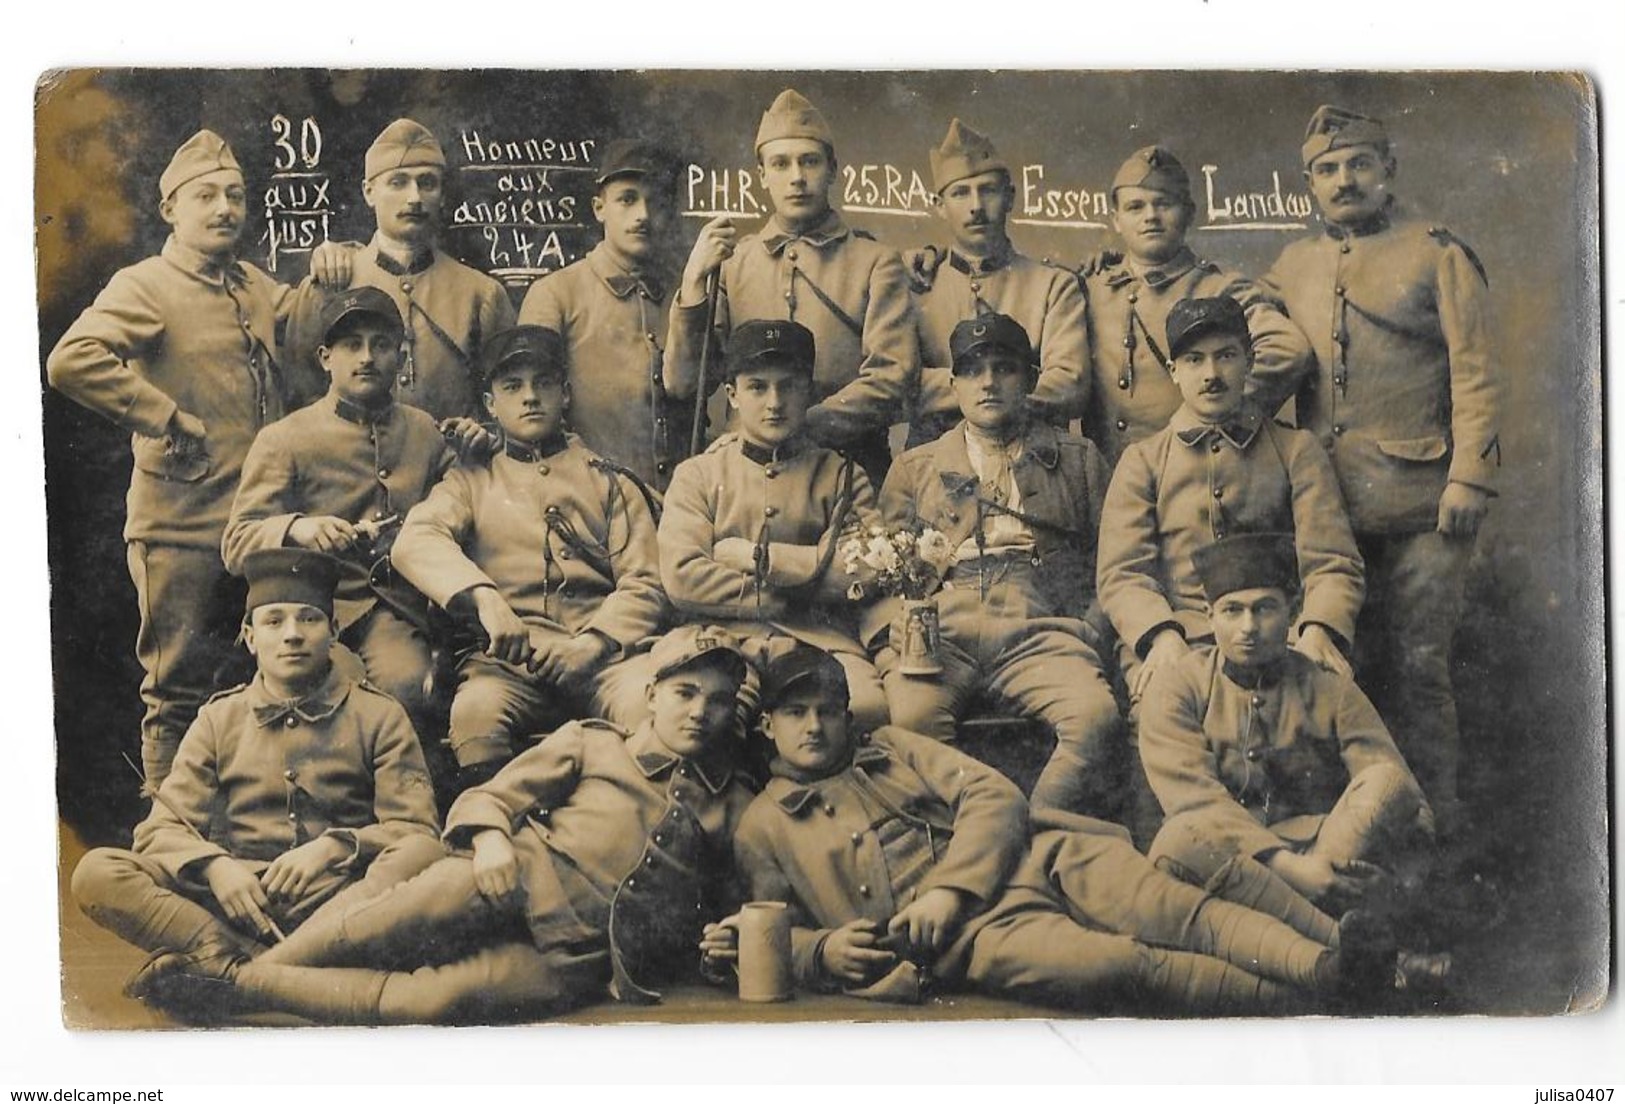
764, 952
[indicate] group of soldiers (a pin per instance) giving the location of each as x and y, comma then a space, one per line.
495, 573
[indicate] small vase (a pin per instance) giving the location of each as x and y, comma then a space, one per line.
922, 638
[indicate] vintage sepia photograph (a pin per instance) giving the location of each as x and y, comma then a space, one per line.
684, 546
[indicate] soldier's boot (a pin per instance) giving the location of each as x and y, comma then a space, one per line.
119, 891
1246, 881
1262, 945
1190, 984
196, 985
329, 995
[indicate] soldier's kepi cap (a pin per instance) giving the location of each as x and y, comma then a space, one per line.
522, 346
404, 144
635, 157
687, 645
1190, 319
358, 303
1331, 128
1156, 169
291, 575
988, 333
771, 341
963, 153
1248, 561
792, 116
203, 153
802, 667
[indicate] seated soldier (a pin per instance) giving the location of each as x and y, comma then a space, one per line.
284, 792
338, 477
587, 862
1221, 466
1259, 754
1020, 503
750, 528
904, 861
552, 550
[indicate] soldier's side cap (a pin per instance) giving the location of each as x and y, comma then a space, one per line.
634, 157
792, 116
797, 668
527, 345
203, 153
361, 301
291, 575
988, 333
688, 644
773, 341
1190, 319
1247, 561
403, 144
1331, 128
1154, 168
963, 153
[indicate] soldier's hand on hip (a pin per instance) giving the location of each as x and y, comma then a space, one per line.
186, 432
1316, 643
291, 873
714, 245
496, 865
509, 638
240, 894
1462, 509
323, 534
332, 263
850, 953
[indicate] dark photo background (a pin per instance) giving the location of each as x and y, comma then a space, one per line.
1506, 161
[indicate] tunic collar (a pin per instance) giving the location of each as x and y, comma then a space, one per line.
761, 454
1260, 677
1376, 224
201, 265
422, 257
530, 454
1160, 276
361, 415
776, 235
623, 281
313, 708
793, 789
1239, 430
972, 266
656, 760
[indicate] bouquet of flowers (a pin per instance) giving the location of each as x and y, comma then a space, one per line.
903, 563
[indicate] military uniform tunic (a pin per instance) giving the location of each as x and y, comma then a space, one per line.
448, 308
1406, 398
179, 332
614, 326
796, 506
256, 777
1071, 917
852, 293
1133, 394
1254, 760
1191, 484
569, 543
622, 851
1021, 621
1047, 301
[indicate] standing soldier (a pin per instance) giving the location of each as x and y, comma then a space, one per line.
449, 309
178, 349
807, 266
1133, 392
983, 274
1407, 402
612, 308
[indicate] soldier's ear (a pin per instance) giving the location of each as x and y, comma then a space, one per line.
166, 210
733, 394
490, 402
245, 634
598, 208
366, 193
322, 353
